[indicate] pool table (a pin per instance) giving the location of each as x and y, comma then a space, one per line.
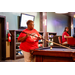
54, 55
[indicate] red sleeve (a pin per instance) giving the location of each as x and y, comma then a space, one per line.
66, 34
21, 35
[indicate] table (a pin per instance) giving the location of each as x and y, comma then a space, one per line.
54, 55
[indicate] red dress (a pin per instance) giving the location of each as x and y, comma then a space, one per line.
64, 39
31, 42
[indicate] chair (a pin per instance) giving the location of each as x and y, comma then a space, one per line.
60, 41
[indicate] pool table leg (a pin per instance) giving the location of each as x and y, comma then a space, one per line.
73, 58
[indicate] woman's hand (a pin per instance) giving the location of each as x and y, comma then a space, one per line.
27, 35
39, 38
22, 39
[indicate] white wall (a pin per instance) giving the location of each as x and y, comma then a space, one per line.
56, 23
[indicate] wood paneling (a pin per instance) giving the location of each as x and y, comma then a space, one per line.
43, 27
69, 24
41, 21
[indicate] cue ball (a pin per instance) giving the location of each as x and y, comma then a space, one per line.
50, 48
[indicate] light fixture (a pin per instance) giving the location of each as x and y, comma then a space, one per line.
74, 15
61, 12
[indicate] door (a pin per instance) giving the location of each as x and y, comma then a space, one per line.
2, 38
0, 42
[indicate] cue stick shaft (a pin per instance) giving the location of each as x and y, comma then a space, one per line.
59, 44
31, 34
49, 41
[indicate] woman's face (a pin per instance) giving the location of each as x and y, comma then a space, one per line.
31, 25
67, 29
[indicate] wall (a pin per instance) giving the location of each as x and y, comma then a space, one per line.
56, 23
12, 18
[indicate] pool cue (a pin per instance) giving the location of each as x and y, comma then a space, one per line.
27, 33
32, 35
59, 44
49, 41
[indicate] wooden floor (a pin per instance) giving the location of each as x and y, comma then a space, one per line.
17, 60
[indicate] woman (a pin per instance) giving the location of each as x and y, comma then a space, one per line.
65, 35
29, 42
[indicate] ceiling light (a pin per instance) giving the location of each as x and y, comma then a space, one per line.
61, 12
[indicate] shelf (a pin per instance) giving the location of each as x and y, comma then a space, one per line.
50, 37
14, 45
18, 49
18, 42
16, 37
19, 56
40, 42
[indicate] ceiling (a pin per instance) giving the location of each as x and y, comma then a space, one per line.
35, 13
31, 13
70, 14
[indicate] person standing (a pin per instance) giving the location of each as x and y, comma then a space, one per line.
29, 42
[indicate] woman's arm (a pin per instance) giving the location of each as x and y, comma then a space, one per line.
67, 36
22, 39
39, 38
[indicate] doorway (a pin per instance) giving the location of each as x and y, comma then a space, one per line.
2, 38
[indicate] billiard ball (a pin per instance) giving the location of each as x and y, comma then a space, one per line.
50, 47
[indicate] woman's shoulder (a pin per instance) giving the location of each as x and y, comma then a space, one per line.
35, 30
25, 29
64, 32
